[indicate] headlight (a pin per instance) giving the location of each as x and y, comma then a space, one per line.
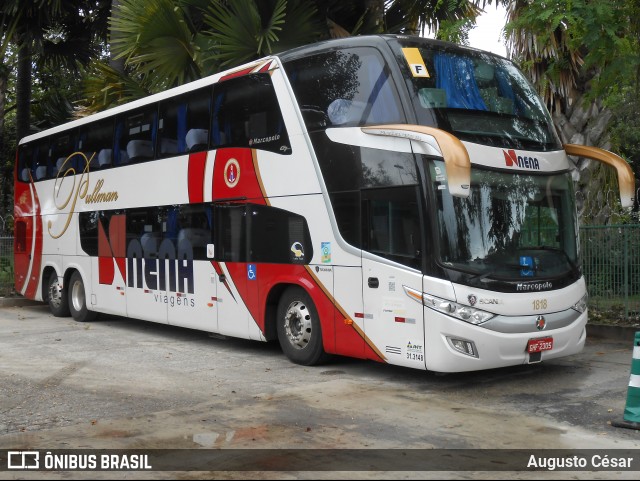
450, 308
582, 304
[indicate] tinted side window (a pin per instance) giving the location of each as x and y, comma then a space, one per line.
33, 161
258, 233
96, 143
392, 224
155, 232
246, 114
183, 124
62, 148
135, 136
278, 236
348, 169
231, 233
344, 87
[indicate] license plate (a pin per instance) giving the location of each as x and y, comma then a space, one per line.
539, 345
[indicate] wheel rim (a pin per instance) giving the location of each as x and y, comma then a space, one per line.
77, 296
297, 325
55, 293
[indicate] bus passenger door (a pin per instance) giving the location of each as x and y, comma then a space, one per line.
233, 273
391, 262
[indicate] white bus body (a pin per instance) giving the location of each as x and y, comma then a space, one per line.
334, 197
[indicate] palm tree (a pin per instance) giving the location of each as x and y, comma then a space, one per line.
539, 39
246, 29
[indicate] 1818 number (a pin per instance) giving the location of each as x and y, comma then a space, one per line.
540, 304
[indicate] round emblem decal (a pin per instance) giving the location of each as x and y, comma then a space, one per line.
541, 323
231, 173
472, 299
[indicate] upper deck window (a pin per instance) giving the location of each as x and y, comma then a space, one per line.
348, 87
246, 113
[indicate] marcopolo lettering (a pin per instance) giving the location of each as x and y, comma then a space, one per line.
534, 286
514, 160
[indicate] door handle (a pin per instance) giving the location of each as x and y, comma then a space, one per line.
373, 282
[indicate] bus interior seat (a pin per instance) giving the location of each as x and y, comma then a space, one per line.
104, 158
342, 111
149, 242
24, 175
197, 237
197, 139
139, 150
432, 98
41, 172
60, 163
484, 72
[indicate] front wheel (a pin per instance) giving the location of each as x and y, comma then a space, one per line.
298, 327
57, 297
78, 299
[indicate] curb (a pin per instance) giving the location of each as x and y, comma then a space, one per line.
616, 333
18, 302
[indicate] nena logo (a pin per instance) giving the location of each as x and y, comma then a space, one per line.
514, 160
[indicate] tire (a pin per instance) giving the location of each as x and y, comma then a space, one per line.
78, 299
57, 297
298, 326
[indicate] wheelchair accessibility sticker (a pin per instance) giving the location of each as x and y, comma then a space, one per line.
251, 272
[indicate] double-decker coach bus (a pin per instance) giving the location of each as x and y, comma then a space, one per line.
388, 198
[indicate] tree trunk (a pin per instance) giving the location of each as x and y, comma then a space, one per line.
375, 16
23, 88
116, 64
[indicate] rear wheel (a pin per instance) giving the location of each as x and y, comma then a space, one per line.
78, 299
57, 297
298, 327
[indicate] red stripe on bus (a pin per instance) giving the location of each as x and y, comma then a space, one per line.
337, 337
34, 281
239, 73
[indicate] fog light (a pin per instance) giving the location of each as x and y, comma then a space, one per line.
463, 346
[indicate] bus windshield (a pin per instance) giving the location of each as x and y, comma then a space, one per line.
511, 227
477, 96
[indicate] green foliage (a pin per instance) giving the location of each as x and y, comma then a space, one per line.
157, 42
247, 29
562, 43
624, 130
456, 31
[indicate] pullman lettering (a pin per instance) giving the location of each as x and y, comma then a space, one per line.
98, 196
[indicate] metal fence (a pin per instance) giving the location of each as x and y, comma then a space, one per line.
6, 266
611, 267
610, 262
